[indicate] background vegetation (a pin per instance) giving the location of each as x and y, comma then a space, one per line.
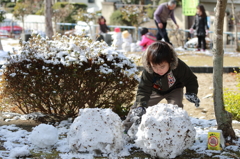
232, 100
58, 85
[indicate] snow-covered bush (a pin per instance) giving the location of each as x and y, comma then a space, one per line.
60, 76
165, 131
88, 132
44, 136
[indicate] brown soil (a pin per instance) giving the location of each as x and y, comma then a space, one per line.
208, 60
205, 92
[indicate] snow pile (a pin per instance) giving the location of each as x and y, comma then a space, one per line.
117, 40
127, 40
135, 47
165, 131
20, 152
44, 136
9, 116
3, 56
193, 43
96, 131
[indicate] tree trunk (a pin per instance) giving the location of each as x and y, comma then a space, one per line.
48, 19
224, 118
235, 26
136, 33
1, 48
23, 29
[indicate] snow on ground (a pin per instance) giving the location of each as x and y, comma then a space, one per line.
19, 142
10, 44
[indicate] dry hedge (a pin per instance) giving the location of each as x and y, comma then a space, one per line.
61, 76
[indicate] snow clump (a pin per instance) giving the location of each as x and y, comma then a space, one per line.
96, 131
165, 131
44, 136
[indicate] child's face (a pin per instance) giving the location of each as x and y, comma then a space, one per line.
161, 68
102, 20
199, 11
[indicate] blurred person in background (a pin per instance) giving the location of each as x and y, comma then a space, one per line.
161, 15
103, 28
147, 38
200, 24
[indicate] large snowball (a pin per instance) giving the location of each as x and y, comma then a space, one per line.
165, 131
96, 130
44, 136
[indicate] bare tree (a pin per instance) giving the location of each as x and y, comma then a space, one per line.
135, 15
48, 19
224, 118
2, 17
60, 13
20, 11
235, 26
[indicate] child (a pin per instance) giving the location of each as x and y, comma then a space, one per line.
102, 25
200, 24
163, 77
147, 38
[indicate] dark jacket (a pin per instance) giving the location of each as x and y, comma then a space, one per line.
179, 75
104, 28
200, 24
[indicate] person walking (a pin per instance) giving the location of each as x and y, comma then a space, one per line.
200, 24
164, 77
161, 14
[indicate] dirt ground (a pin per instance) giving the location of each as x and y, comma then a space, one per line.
205, 92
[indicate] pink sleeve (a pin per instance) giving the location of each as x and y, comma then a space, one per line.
144, 41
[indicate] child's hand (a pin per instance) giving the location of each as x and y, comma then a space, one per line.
192, 97
207, 31
191, 30
160, 25
138, 112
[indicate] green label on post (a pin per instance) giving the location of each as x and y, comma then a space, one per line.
189, 7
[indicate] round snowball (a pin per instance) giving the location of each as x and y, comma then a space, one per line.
44, 136
96, 130
165, 131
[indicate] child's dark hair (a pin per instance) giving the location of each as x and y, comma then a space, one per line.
159, 52
99, 19
144, 31
202, 9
